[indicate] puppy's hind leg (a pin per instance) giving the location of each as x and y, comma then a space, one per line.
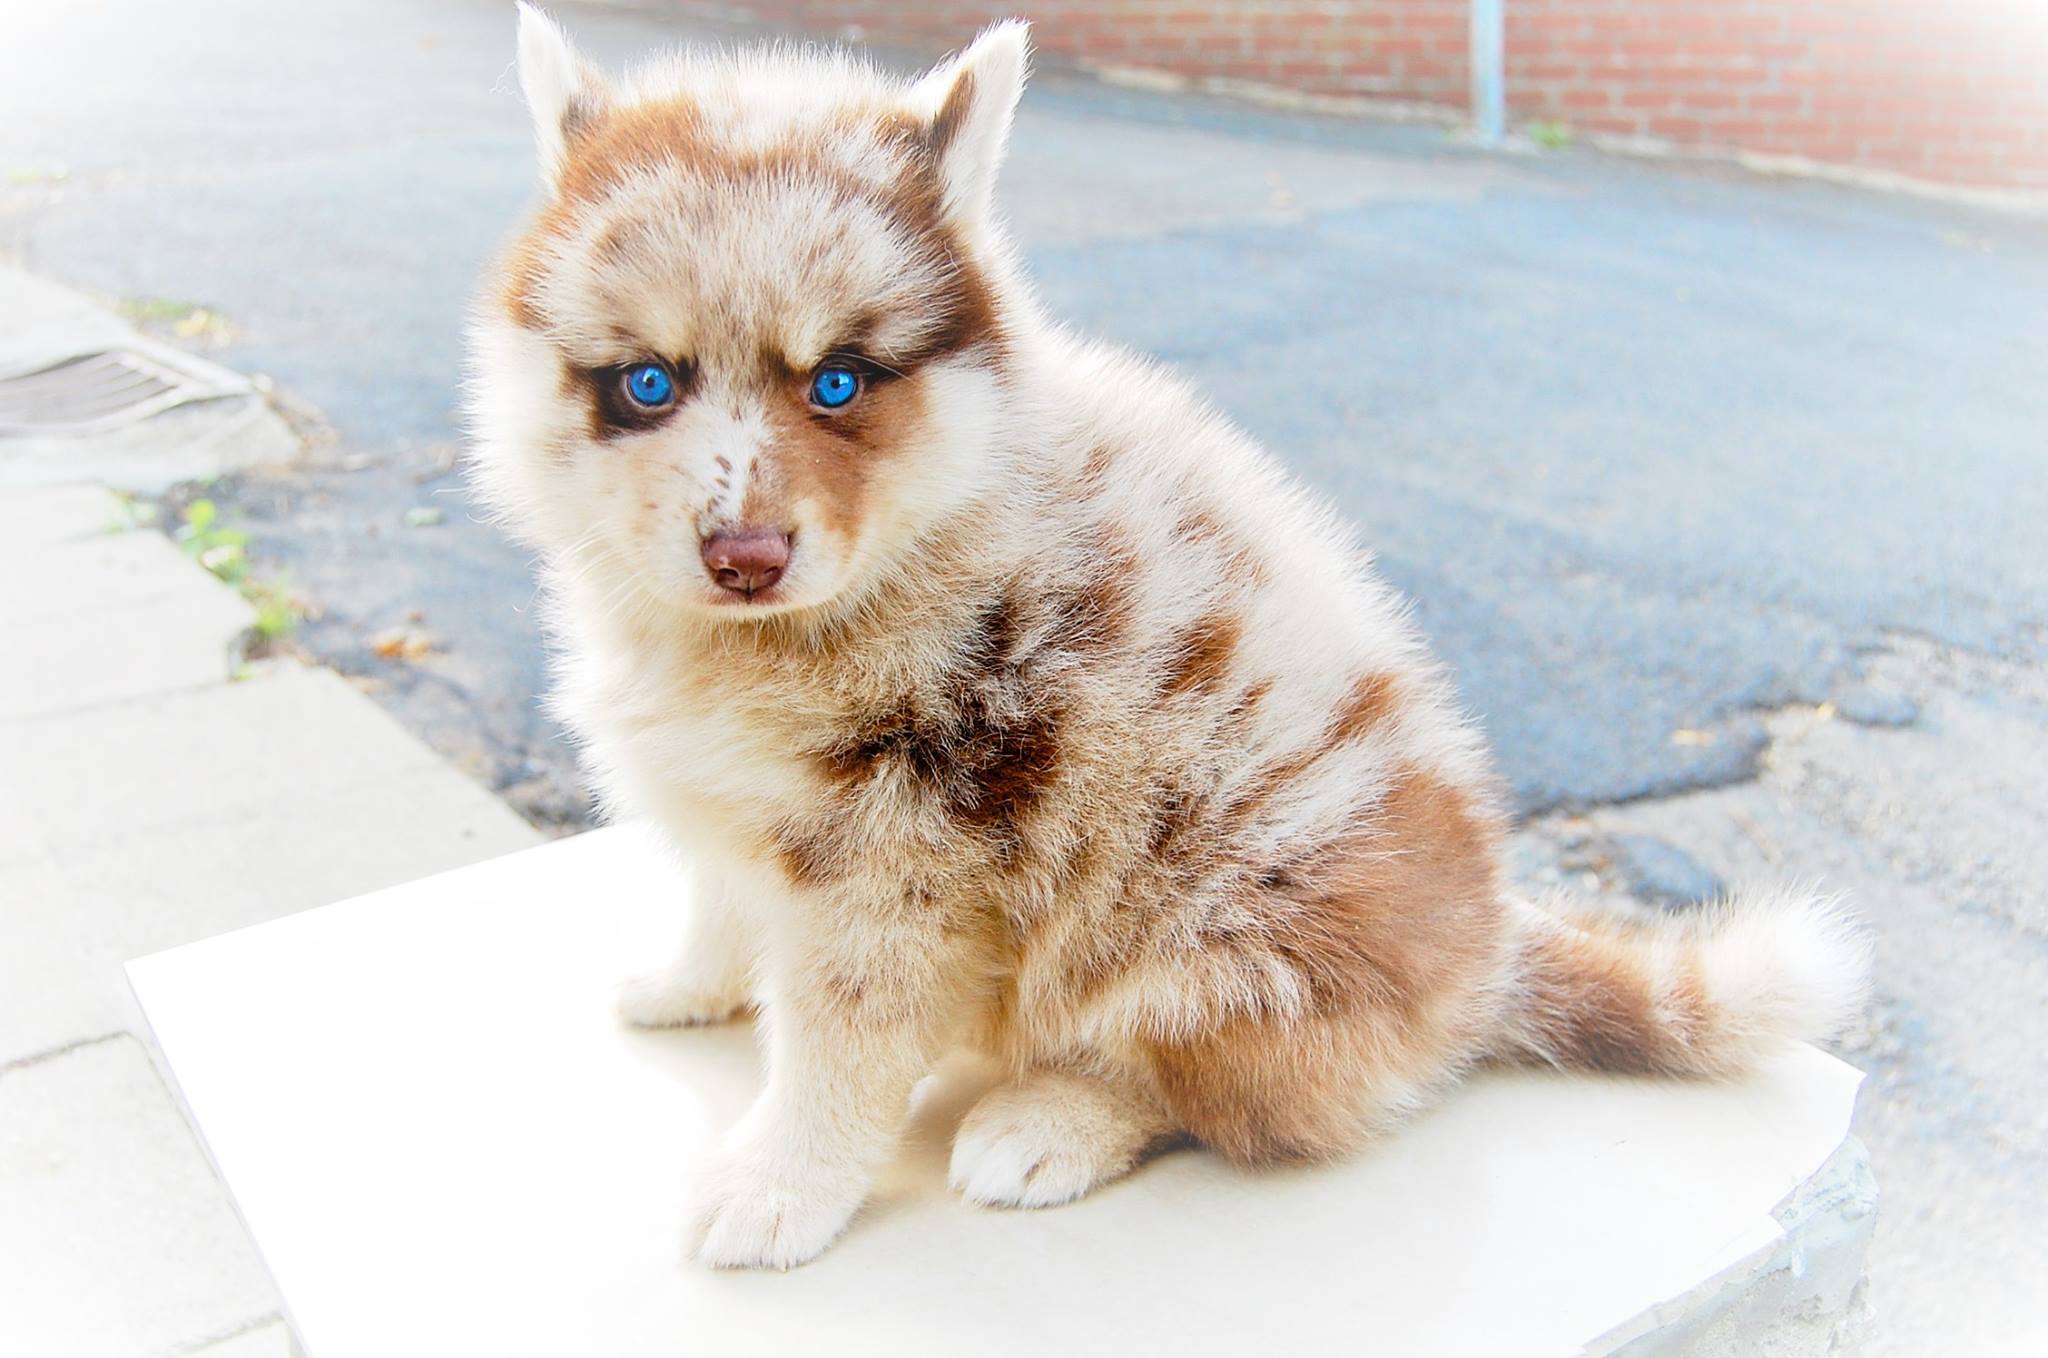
1053, 1136
710, 977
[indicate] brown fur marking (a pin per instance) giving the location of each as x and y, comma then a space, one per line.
984, 744
809, 858
524, 269
1596, 1004
952, 114
1092, 617
828, 459
1248, 701
1201, 653
1205, 525
1372, 700
1386, 930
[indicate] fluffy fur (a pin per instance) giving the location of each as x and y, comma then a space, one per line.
1074, 730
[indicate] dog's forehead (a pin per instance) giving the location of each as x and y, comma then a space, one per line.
702, 270
682, 242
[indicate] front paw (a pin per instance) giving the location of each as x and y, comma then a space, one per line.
754, 1210
1049, 1140
660, 999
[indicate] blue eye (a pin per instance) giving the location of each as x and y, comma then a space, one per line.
833, 387
650, 385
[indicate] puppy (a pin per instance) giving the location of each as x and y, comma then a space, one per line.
998, 689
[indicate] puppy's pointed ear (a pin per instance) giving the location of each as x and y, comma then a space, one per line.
965, 105
565, 93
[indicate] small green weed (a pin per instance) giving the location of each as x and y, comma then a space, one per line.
1553, 134
277, 613
225, 552
183, 319
160, 309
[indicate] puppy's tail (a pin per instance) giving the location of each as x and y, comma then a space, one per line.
1703, 993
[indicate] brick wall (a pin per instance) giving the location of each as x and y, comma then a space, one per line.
1412, 50
1946, 90
1949, 90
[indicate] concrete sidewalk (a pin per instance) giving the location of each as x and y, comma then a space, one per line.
150, 797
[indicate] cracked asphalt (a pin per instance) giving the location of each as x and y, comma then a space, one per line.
1682, 467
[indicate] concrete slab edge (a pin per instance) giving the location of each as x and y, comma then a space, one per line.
1803, 1297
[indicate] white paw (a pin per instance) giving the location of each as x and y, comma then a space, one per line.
1016, 1151
659, 999
753, 1214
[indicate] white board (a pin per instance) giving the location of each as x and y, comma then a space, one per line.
444, 1144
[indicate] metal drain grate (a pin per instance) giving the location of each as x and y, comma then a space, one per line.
112, 387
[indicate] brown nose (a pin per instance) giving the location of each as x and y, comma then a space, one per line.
748, 560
